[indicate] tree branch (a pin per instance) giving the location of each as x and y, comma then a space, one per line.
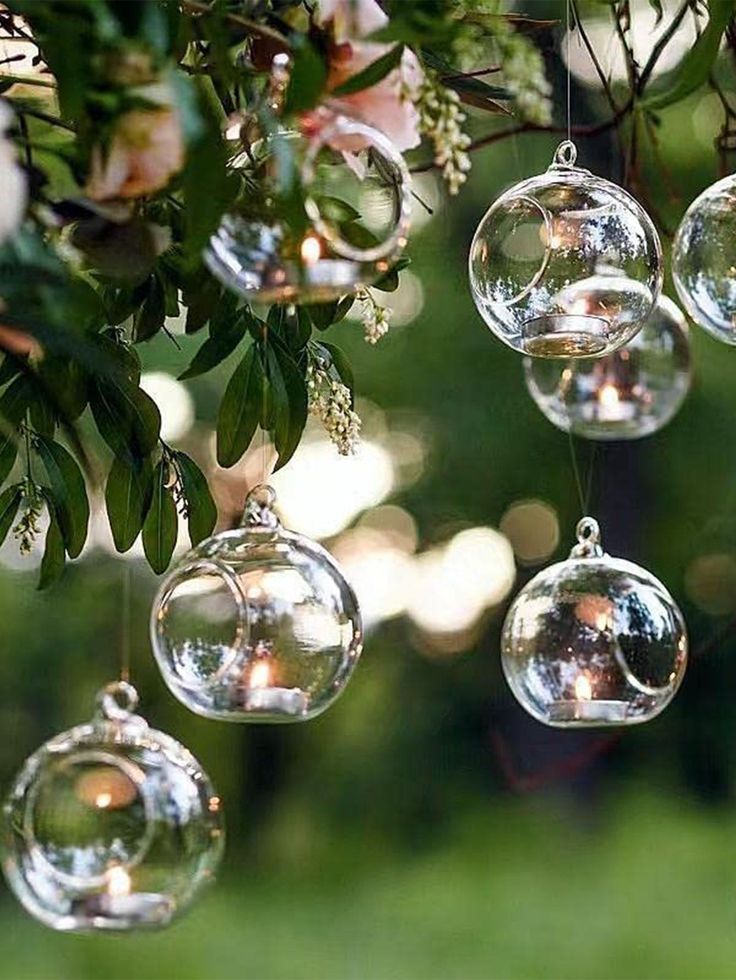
249, 26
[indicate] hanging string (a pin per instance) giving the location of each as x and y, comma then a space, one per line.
584, 488
568, 4
125, 627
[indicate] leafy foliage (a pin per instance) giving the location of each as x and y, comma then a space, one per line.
110, 248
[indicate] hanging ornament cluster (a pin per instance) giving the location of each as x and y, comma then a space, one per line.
111, 825
593, 640
565, 264
257, 623
633, 392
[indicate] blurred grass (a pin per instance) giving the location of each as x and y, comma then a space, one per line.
520, 889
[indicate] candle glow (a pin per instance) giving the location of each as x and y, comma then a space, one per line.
118, 882
311, 249
260, 674
583, 688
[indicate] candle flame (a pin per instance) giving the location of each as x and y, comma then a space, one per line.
583, 688
103, 800
118, 882
260, 674
311, 249
608, 395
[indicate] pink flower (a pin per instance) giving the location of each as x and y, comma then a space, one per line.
17, 341
147, 149
386, 106
350, 18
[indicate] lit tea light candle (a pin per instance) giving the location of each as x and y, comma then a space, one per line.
119, 902
261, 696
583, 688
611, 407
311, 249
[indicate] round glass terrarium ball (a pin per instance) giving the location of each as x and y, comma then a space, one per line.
257, 624
565, 264
593, 641
630, 393
704, 260
358, 209
111, 825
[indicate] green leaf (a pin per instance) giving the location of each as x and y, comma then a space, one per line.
693, 70
13, 405
240, 409
200, 296
207, 190
127, 498
371, 74
10, 500
227, 329
339, 361
288, 392
69, 491
8, 455
150, 317
126, 418
161, 524
308, 77
41, 411
201, 509
52, 564
65, 385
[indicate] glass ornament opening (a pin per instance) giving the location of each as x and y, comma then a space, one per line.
257, 623
565, 264
704, 260
111, 825
593, 641
353, 228
633, 392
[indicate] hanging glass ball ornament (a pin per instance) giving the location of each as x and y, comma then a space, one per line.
630, 393
593, 640
704, 260
257, 623
565, 264
111, 825
353, 227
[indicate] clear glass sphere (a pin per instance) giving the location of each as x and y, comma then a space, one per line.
257, 624
593, 641
630, 393
704, 260
565, 264
358, 208
111, 825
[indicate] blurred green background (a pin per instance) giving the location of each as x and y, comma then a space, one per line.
425, 827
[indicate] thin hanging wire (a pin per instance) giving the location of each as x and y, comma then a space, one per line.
568, 4
125, 627
584, 487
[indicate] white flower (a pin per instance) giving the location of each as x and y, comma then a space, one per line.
330, 401
14, 198
441, 119
374, 317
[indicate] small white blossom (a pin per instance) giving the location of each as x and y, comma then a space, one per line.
374, 317
330, 401
441, 119
523, 72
